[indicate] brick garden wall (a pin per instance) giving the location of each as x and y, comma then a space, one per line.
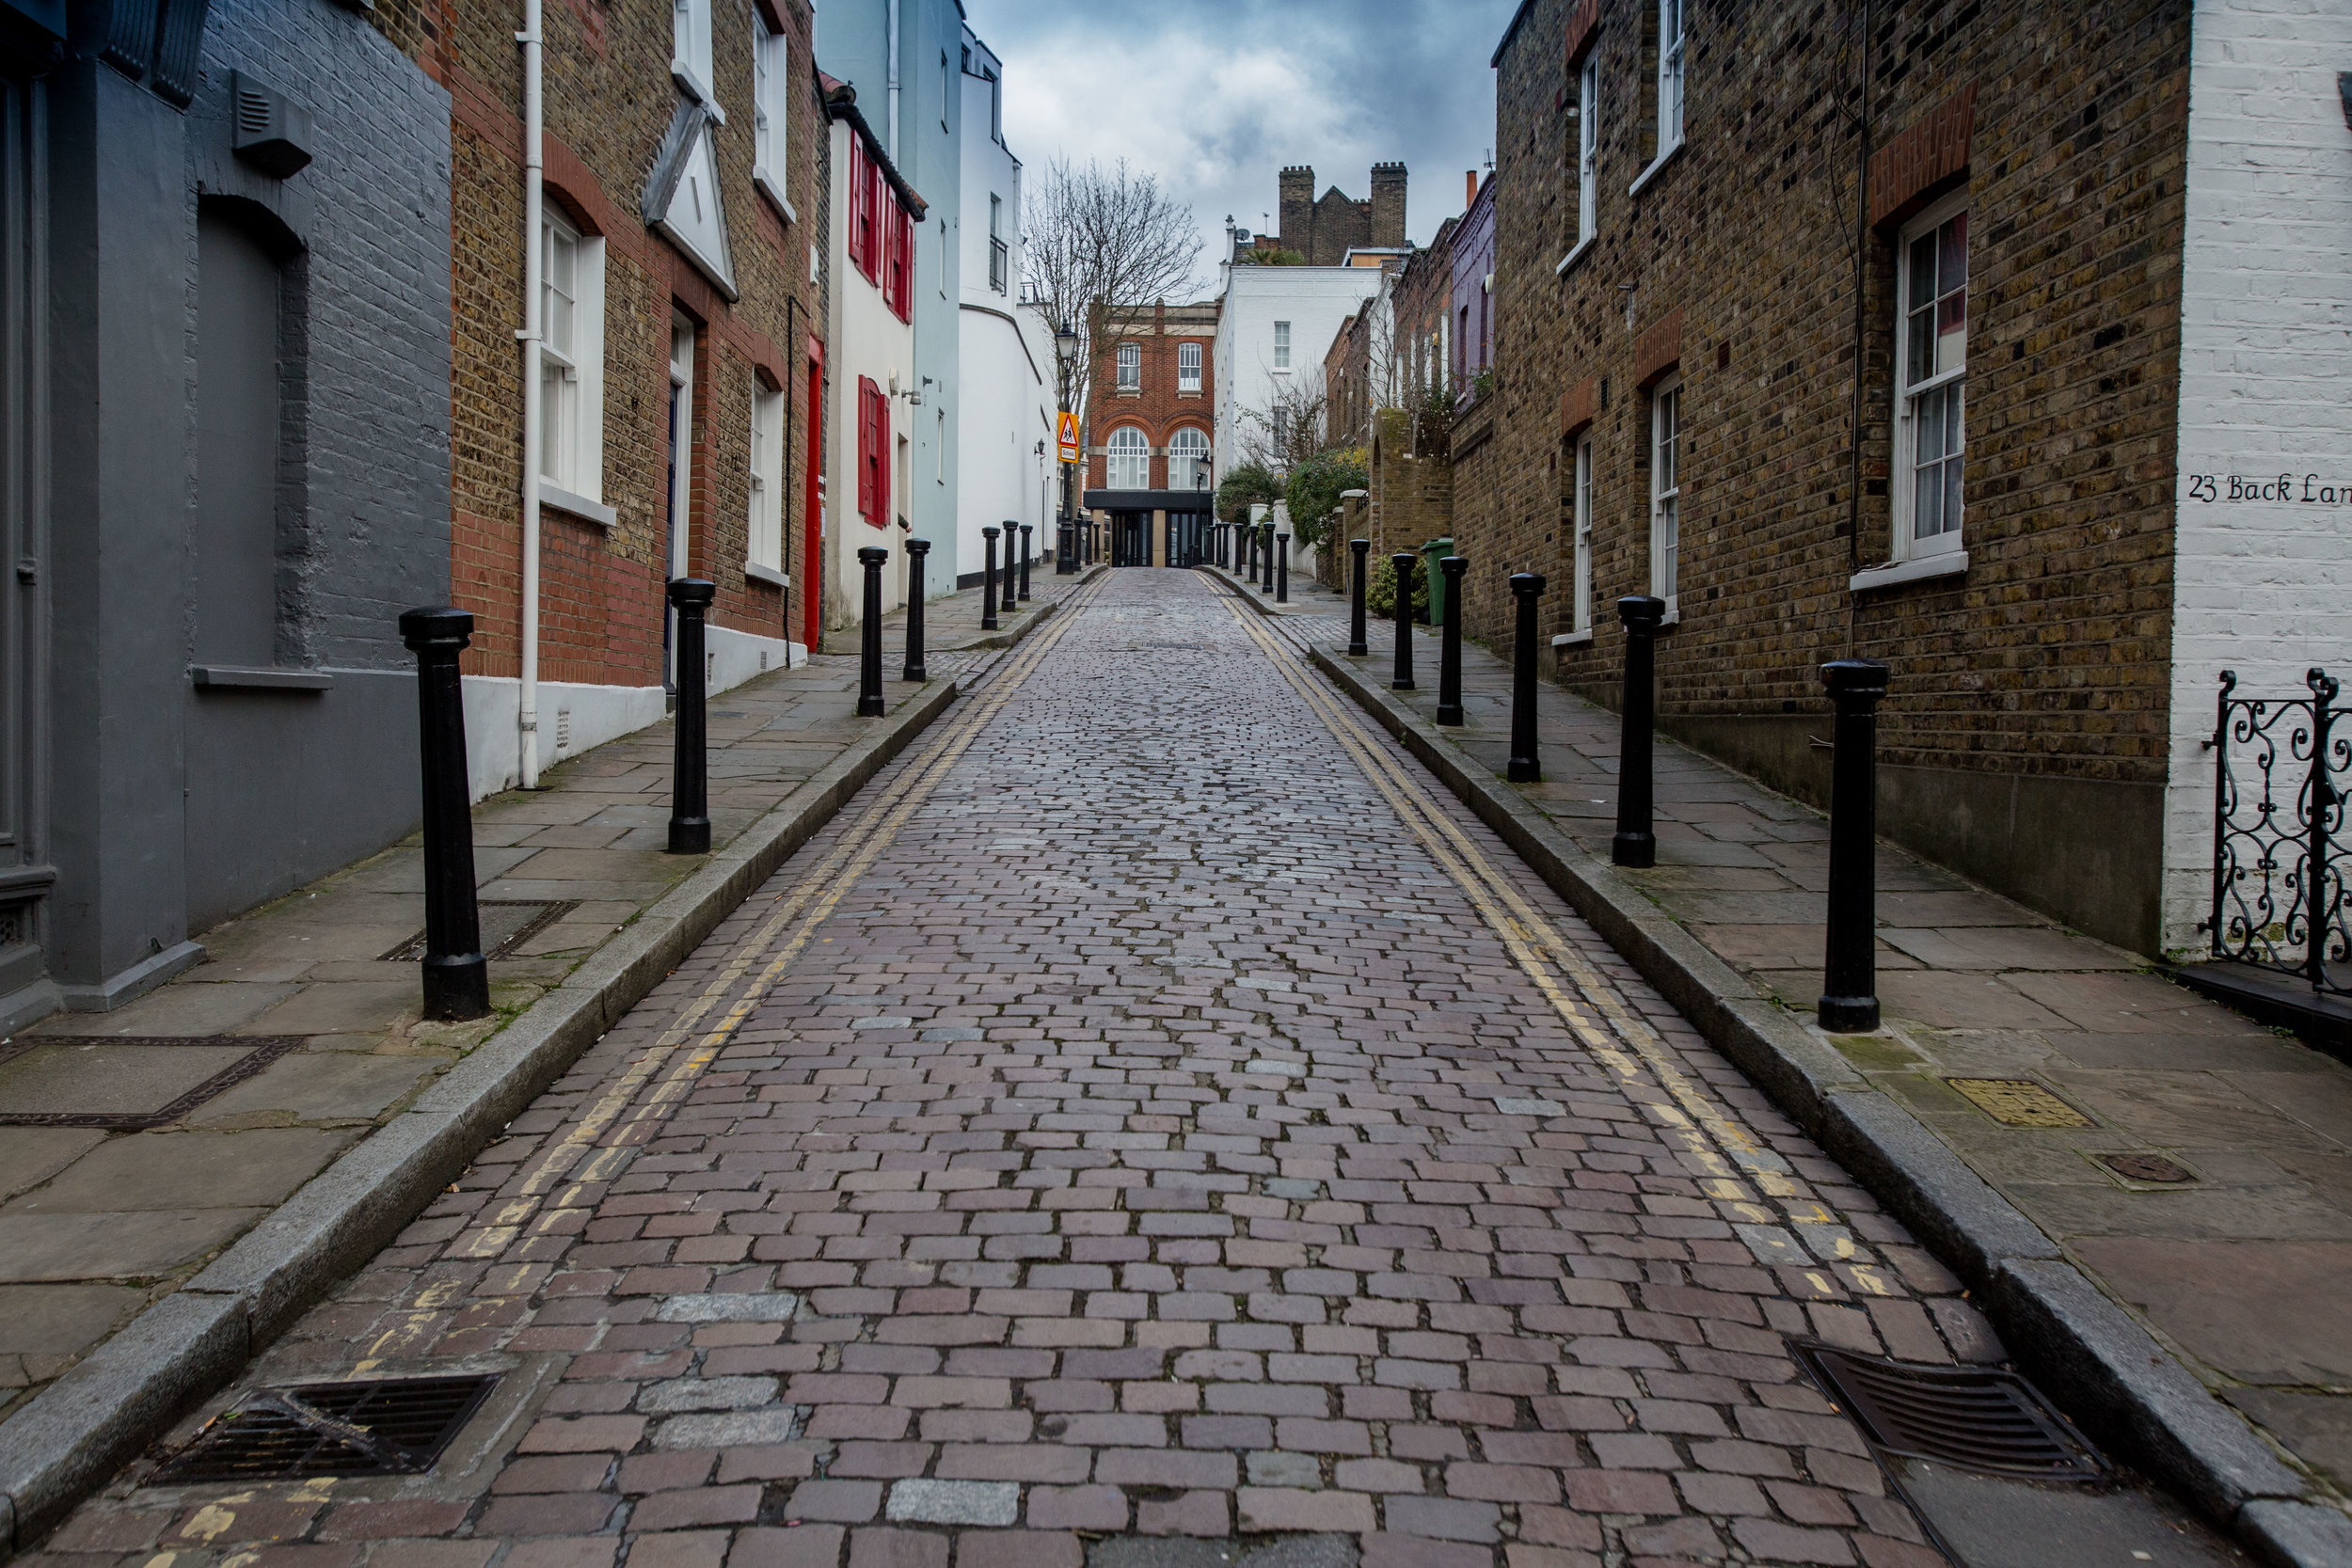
2045, 665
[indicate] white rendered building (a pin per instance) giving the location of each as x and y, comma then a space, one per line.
1271, 339
1006, 388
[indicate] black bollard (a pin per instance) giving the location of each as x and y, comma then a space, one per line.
1635, 844
1450, 643
988, 584
915, 669
869, 697
1524, 766
1404, 561
1265, 558
1249, 553
1850, 1003
1357, 646
1065, 558
1282, 569
1026, 532
456, 976
689, 766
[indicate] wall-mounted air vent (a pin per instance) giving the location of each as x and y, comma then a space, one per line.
272, 134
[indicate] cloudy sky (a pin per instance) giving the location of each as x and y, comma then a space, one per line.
1217, 96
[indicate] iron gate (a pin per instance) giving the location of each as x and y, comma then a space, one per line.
2280, 774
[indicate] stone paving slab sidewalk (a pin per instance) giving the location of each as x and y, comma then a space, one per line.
125, 1182
2199, 1169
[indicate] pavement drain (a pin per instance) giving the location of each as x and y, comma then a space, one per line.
955, 1502
2019, 1103
2152, 1168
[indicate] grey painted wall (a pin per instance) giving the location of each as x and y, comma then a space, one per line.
178, 806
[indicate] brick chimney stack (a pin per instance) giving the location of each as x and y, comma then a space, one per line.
1297, 209
1469, 188
1388, 204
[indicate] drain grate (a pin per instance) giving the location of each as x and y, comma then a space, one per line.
2019, 1103
1973, 1418
378, 1427
506, 924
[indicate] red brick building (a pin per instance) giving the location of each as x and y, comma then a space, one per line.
1152, 418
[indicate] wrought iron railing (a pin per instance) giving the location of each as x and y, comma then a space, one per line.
2281, 774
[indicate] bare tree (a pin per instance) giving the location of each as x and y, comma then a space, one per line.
1097, 237
1291, 428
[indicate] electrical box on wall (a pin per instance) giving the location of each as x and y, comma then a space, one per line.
272, 133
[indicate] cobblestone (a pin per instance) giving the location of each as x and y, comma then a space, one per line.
1496, 1273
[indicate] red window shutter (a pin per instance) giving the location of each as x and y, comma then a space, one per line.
864, 448
857, 205
873, 221
881, 460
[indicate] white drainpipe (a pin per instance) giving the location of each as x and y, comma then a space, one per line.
527, 721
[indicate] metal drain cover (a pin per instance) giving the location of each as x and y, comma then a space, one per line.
394, 1426
506, 924
2019, 1103
1974, 1417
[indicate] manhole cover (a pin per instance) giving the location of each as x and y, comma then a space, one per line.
378, 1427
506, 924
125, 1083
2145, 1167
2019, 1103
1976, 1418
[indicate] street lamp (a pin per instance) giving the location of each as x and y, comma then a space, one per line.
1066, 537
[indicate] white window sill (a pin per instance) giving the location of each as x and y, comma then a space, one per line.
1663, 158
774, 189
691, 85
1281, 370
1573, 638
563, 500
768, 575
1575, 255
1946, 563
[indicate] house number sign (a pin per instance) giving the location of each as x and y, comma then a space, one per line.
2314, 490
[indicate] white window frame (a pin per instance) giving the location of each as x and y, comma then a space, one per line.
763, 554
690, 52
1187, 366
571, 361
772, 59
1130, 367
1947, 383
1281, 348
1667, 449
1587, 156
1584, 525
1127, 459
1672, 48
1187, 445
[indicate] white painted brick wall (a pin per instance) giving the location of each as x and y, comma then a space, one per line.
2262, 587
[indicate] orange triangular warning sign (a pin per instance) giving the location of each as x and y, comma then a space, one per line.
1069, 441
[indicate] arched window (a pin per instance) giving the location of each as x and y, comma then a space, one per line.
1188, 460
1130, 465
1130, 367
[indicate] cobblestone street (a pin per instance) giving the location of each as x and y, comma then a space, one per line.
1146, 1112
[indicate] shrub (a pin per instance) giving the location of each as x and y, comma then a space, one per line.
1241, 487
1314, 489
1380, 593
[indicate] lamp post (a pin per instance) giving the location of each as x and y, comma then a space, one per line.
1065, 355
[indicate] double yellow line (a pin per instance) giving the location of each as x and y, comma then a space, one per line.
1731, 1166
610, 1123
